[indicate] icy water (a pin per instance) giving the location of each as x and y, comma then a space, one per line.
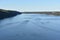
30, 27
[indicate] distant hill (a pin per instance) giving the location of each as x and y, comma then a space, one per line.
8, 13
57, 13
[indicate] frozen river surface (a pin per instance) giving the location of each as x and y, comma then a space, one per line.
30, 27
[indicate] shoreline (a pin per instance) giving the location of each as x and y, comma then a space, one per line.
49, 13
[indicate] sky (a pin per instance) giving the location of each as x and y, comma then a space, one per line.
30, 5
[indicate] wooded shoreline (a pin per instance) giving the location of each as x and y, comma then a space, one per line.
41, 12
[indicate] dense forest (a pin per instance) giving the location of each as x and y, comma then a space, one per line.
8, 13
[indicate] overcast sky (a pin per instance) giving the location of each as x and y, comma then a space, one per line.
31, 5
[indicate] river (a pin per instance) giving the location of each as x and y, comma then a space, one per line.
30, 27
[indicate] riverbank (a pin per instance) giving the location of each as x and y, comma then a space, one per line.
57, 13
